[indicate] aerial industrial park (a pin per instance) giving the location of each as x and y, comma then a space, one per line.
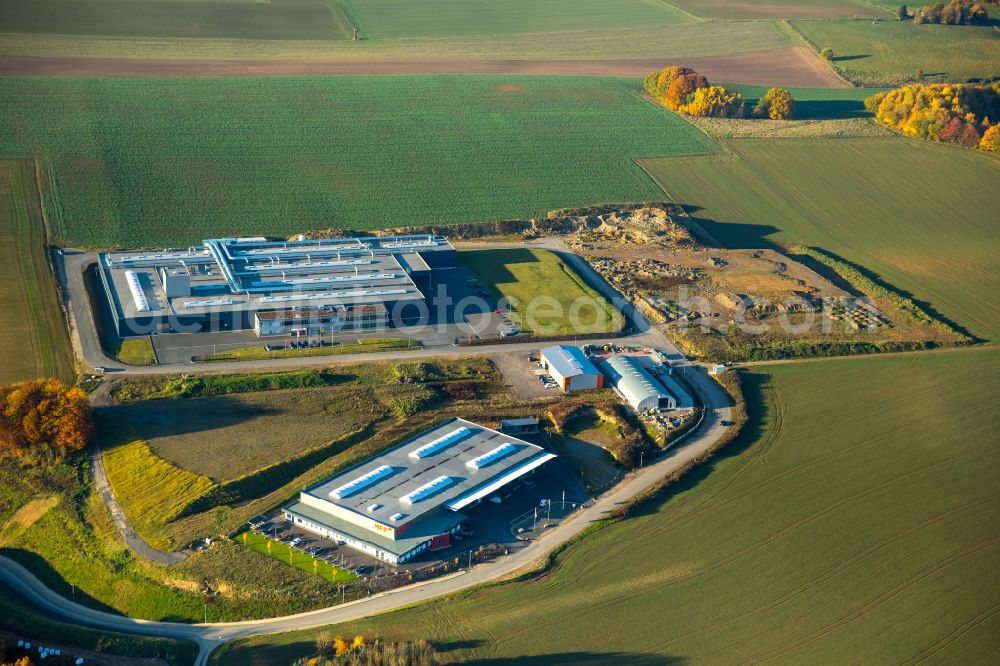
542, 332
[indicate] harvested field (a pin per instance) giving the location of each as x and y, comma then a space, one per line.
249, 431
794, 66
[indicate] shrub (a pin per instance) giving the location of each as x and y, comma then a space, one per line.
776, 104
826, 54
902, 13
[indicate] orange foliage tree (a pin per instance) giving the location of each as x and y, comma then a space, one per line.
42, 420
684, 90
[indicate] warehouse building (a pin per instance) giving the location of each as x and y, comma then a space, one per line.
253, 283
571, 368
407, 500
636, 385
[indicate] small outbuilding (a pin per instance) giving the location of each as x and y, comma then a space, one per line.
571, 368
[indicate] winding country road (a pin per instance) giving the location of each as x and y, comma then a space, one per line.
210, 636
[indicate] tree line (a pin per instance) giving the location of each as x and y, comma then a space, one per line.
685, 91
956, 12
960, 113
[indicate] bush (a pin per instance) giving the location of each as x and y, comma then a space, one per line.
776, 104
826, 54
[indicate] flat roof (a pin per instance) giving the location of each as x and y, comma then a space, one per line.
311, 313
569, 361
444, 466
232, 274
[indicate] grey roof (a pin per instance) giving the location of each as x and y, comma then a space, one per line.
436, 523
569, 361
255, 274
385, 484
684, 399
632, 380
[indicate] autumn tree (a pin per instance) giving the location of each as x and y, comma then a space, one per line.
672, 86
776, 104
42, 420
358, 643
826, 54
949, 113
991, 140
714, 102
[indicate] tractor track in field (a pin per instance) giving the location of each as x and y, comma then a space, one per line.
790, 66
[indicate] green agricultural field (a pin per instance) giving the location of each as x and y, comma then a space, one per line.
33, 338
545, 295
302, 19
780, 9
890, 52
456, 18
875, 202
695, 39
173, 161
850, 520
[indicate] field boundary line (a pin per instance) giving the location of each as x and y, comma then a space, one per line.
700, 19
786, 26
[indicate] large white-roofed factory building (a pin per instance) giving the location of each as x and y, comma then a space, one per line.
408, 500
301, 287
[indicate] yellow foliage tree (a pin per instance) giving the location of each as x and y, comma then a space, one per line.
341, 648
776, 104
991, 140
358, 643
715, 102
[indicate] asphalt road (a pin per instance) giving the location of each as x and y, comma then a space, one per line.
210, 636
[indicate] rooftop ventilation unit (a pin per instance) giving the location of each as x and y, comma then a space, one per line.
374, 507
440, 443
426, 490
361, 482
491, 457
396, 517
141, 304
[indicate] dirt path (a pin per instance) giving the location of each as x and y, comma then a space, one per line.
795, 66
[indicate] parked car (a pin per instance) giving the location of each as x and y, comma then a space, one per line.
496, 499
294, 542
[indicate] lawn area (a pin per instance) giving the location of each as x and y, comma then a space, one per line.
363, 346
889, 52
302, 19
298, 559
546, 296
850, 517
695, 39
162, 162
875, 202
457, 18
779, 9
136, 351
33, 338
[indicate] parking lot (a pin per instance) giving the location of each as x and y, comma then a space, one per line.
490, 523
524, 376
